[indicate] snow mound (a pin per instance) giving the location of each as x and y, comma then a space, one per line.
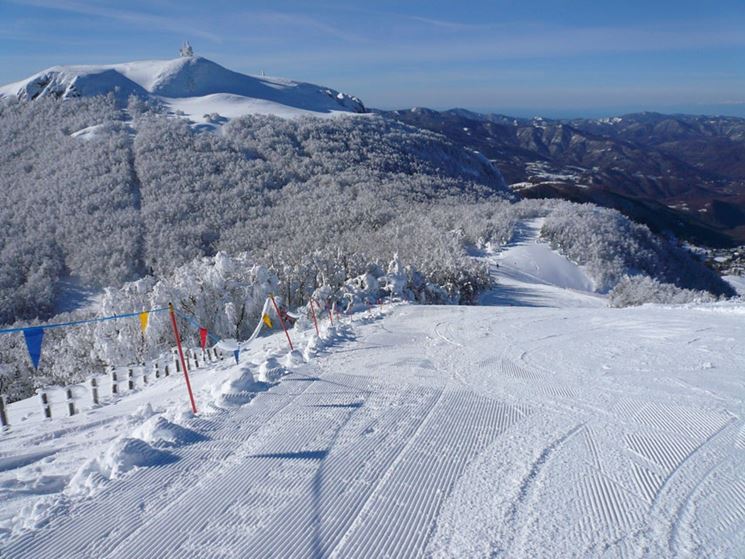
271, 370
127, 454
122, 456
238, 389
293, 358
159, 432
205, 87
330, 335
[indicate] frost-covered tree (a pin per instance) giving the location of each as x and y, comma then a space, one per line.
611, 246
638, 290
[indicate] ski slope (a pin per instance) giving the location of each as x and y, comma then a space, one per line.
547, 425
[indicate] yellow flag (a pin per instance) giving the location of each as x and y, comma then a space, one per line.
144, 316
268, 321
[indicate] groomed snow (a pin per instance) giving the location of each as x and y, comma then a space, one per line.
552, 426
531, 260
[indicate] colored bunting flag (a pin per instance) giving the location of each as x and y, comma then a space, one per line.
203, 337
268, 321
34, 337
144, 317
236, 353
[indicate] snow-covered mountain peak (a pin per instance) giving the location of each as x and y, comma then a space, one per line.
191, 84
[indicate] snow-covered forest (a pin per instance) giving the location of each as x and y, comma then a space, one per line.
110, 205
109, 195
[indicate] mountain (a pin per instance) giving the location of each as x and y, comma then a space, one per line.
107, 187
191, 85
103, 194
676, 173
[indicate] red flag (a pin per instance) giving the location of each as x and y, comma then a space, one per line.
203, 337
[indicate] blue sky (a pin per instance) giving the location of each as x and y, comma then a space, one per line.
553, 57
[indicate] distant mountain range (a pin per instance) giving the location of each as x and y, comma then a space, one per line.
677, 173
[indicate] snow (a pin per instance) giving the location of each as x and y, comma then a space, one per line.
544, 424
88, 133
542, 171
71, 292
159, 432
527, 260
738, 282
271, 370
229, 106
194, 85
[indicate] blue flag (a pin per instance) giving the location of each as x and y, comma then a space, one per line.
34, 337
236, 353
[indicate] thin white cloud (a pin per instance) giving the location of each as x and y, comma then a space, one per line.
533, 41
139, 18
450, 25
298, 21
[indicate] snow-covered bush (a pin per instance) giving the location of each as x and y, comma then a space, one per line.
611, 246
638, 290
222, 293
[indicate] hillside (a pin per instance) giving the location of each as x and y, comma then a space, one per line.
189, 85
675, 173
548, 425
104, 194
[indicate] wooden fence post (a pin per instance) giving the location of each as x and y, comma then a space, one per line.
46, 405
94, 391
131, 379
70, 401
114, 383
3, 413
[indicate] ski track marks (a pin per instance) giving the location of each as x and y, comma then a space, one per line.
73, 534
524, 432
334, 474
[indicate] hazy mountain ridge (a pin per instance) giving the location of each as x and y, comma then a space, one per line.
690, 169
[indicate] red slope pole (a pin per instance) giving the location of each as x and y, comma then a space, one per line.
181, 357
281, 321
313, 314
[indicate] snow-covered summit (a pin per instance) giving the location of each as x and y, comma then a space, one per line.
191, 84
